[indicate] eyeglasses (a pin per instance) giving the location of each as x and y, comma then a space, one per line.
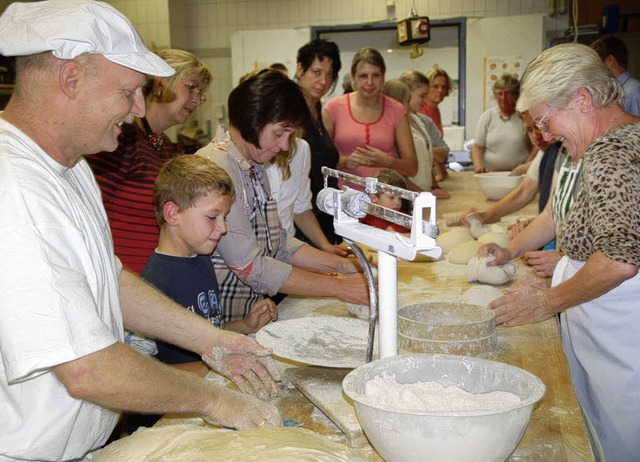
195, 90
542, 124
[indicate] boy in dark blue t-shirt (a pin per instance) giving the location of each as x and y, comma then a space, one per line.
192, 197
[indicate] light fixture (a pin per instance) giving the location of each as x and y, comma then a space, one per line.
414, 31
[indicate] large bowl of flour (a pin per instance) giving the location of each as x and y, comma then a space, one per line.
435, 407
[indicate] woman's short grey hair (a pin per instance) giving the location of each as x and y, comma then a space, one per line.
508, 82
558, 72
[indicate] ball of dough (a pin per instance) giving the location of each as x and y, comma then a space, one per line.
481, 295
501, 239
477, 270
447, 241
463, 252
359, 311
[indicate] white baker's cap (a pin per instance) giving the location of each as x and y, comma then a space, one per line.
69, 28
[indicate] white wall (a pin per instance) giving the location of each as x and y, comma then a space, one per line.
205, 27
516, 35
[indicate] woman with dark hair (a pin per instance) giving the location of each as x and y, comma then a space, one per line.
256, 256
317, 67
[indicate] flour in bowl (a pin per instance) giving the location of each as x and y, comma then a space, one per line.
385, 391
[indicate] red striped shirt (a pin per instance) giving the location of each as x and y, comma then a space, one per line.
126, 178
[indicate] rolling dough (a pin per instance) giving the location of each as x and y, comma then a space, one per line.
201, 444
447, 241
477, 270
501, 239
481, 295
463, 252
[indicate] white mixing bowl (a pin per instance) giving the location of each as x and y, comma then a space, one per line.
473, 436
495, 185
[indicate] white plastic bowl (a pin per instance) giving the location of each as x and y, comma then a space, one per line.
495, 185
460, 436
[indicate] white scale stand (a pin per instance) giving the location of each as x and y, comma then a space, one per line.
347, 206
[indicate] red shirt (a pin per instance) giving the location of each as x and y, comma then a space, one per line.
126, 177
381, 223
434, 114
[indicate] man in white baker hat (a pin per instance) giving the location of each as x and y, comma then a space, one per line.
65, 372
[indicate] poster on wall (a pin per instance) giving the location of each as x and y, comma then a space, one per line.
494, 67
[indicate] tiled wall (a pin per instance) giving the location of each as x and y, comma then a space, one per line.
205, 26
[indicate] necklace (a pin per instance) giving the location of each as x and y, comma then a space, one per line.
505, 118
155, 139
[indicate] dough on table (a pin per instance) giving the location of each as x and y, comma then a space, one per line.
201, 444
447, 241
359, 311
477, 270
477, 229
500, 238
463, 252
481, 295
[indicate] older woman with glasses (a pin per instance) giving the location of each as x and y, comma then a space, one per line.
500, 142
126, 175
595, 286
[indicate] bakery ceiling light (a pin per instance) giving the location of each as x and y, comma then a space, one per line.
414, 31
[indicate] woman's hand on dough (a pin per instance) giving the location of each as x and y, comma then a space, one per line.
353, 289
351, 265
336, 249
517, 227
522, 305
249, 365
240, 411
502, 255
470, 214
543, 262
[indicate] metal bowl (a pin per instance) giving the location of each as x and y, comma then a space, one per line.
446, 436
447, 328
446, 321
495, 185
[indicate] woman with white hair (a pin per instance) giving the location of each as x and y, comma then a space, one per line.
575, 99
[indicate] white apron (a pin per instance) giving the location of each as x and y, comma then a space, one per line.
601, 340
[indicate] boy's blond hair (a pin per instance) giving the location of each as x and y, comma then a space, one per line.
187, 178
391, 177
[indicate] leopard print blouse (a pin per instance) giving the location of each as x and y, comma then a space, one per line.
605, 216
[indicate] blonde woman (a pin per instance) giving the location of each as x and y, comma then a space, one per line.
126, 175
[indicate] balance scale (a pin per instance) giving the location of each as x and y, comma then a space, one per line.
323, 386
349, 205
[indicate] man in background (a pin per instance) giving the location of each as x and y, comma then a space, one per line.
615, 56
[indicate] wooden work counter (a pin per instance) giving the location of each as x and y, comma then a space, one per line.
556, 430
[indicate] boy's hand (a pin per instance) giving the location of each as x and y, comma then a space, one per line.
260, 314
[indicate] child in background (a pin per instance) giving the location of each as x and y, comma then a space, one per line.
388, 200
192, 197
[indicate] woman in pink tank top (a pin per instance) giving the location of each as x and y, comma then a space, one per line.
370, 130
